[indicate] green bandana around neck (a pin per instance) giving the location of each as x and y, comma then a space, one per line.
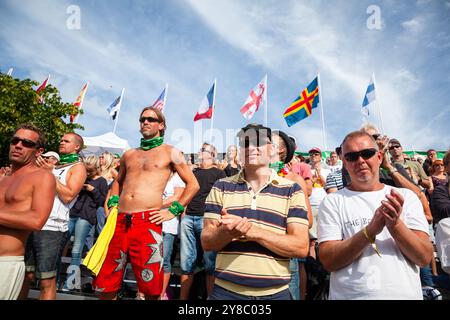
68, 158
277, 166
151, 143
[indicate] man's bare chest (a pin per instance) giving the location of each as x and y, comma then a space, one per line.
14, 190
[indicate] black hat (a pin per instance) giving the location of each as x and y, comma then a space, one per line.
255, 131
290, 145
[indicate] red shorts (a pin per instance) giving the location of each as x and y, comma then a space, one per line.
140, 242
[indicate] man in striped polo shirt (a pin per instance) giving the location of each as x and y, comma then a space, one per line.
255, 220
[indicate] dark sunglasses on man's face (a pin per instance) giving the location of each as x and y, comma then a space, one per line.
254, 141
149, 119
365, 154
25, 142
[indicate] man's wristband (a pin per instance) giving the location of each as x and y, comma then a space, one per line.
176, 208
113, 201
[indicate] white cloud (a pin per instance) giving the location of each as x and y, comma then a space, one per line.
414, 25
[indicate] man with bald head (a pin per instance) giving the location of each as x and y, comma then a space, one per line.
372, 237
26, 198
44, 248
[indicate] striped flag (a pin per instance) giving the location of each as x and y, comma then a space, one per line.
79, 102
205, 111
255, 99
161, 101
369, 97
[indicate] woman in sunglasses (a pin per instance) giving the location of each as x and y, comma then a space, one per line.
438, 174
440, 199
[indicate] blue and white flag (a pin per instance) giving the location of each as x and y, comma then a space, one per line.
369, 97
114, 108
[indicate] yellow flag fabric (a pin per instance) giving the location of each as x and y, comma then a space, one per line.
96, 256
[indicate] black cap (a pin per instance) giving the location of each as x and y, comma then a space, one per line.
290, 145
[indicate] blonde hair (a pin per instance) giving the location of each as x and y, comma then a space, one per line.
108, 166
367, 127
94, 162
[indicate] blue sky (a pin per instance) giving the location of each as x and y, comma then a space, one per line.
141, 45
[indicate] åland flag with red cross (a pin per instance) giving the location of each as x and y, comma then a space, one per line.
302, 106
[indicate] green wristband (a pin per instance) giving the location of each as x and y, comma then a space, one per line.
176, 208
113, 201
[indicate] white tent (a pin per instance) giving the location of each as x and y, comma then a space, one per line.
105, 142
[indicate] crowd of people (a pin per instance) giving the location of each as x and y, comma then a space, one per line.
264, 223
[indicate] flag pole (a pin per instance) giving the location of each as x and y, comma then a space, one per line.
266, 104
118, 111
378, 103
165, 95
213, 111
321, 112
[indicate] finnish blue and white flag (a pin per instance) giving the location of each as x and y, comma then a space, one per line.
369, 97
114, 108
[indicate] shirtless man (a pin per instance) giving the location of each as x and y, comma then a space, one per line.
26, 199
142, 178
45, 247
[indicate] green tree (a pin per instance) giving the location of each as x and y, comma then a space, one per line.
19, 104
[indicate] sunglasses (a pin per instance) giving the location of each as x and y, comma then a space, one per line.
149, 119
245, 142
314, 154
394, 147
25, 142
365, 154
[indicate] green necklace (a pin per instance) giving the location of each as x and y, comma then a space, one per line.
68, 158
151, 143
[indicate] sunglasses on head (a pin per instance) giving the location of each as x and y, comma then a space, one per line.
149, 119
394, 147
206, 150
25, 142
365, 154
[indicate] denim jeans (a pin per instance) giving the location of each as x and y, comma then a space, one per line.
168, 240
191, 229
101, 219
43, 253
294, 284
220, 293
80, 228
426, 277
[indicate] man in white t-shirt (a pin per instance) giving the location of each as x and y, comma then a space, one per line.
174, 188
372, 237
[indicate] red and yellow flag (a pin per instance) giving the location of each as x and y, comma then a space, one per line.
79, 102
